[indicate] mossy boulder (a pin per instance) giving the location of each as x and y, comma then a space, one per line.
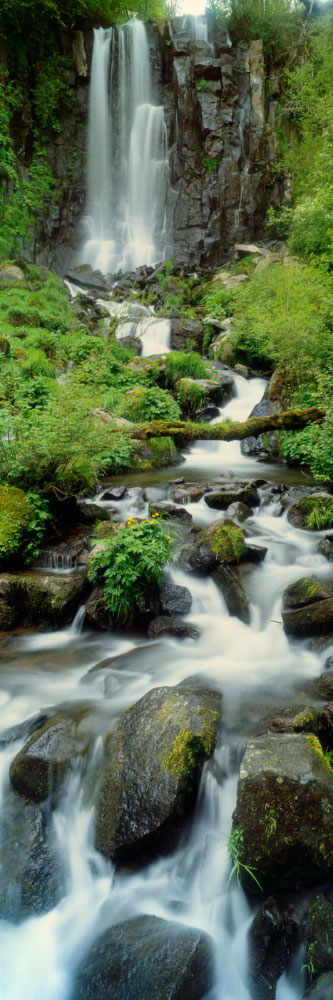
319, 935
198, 389
245, 493
322, 989
285, 813
154, 454
314, 512
171, 962
16, 514
38, 769
186, 334
306, 591
311, 620
221, 543
38, 599
153, 761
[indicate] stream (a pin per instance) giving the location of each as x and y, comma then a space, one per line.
258, 670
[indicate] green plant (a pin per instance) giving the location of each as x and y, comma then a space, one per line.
210, 163
202, 84
236, 851
149, 404
309, 965
189, 397
270, 824
179, 364
228, 542
129, 562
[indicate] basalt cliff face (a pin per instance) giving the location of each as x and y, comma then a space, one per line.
221, 140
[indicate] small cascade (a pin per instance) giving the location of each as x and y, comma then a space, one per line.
197, 27
57, 562
128, 168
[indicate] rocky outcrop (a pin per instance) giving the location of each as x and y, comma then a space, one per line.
284, 799
229, 493
271, 937
38, 769
171, 961
322, 989
150, 775
32, 875
319, 936
39, 599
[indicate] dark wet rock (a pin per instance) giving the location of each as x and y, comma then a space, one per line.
221, 499
153, 761
147, 959
39, 599
172, 511
115, 493
324, 684
302, 509
172, 626
175, 600
189, 492
91, 512
32, 878
314, 619
206, 413
306, 591
97, 615
255, 553
185, 332
328, 665
221, 543
319, 935
22, 730
84, 275
239, 511
271, 938
322, 989
233, 593
284, 798
325, 547
264, 445
38, 769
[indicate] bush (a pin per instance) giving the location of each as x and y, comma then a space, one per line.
23, 520
179, 365
129, 562
190, 397
149, 404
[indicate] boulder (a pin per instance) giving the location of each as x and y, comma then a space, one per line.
32, 876
41, 599
172, 511
313, 619
91, 512
189, 492
239, 510
284, 811
206, 413
10, 274
322, 989
325, 547
319, 935
171, 961
271, 938
306, 591
211, 388
221, 543
172, 626
22, 730
229, 493
152, 765
314, 511
114, 493
185, 332
38, 769
174, 599
235, 597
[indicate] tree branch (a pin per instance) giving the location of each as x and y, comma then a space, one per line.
290, 420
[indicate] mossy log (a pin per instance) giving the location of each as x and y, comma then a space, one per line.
227, 430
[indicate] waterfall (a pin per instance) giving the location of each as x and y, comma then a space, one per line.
128, 168
197, 27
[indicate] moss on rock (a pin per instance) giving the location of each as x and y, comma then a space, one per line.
16, 514
227, 542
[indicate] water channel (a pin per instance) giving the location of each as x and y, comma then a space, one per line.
258, 670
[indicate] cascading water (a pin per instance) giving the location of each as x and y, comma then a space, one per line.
128, 168
103, 675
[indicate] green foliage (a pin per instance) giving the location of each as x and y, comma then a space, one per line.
228, 542
179, 364
309, 965
190, 396
23, 520
149, 404
50, 89
236, 851
129, 562
210, 163
277, 22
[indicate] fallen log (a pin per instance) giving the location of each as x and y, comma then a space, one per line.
228, 430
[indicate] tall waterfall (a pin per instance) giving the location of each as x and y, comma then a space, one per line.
128, 169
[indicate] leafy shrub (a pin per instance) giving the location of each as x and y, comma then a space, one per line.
179, 365
190, 396
130, 561
149, 404
23, 520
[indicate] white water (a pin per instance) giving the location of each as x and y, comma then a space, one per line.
210, 455
105, 674
128, 168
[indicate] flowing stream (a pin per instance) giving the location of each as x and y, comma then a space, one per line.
100, 675
128, 167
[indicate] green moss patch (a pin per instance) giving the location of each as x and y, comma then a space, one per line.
16, 514
228, 543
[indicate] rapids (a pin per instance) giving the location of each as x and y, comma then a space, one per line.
257, 669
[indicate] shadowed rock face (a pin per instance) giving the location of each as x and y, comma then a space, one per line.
171, 961
150, 775
284, 810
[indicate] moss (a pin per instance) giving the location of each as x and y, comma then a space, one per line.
210, 720
155, 454
315, 745
16, 513
184, 754
228, 543
316, 512
307, 722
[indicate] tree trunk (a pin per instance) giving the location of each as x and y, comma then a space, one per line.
290, 420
